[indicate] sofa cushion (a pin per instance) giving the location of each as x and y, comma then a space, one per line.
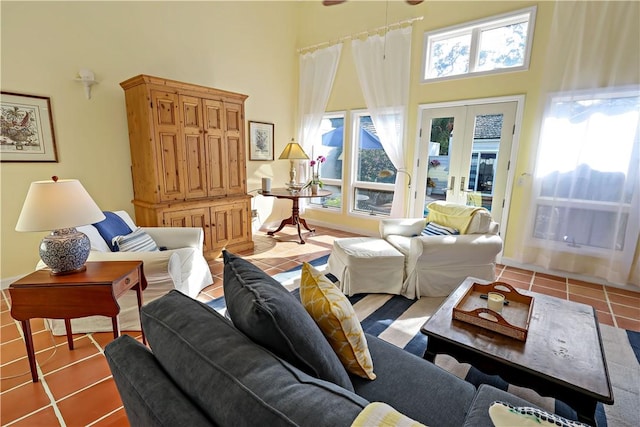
233, 380
148, 394
419, 389
111, 227
267, 313
137, 241
379, 414
335, 316
505, 415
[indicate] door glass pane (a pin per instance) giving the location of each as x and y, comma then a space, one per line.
484, 159
439, 157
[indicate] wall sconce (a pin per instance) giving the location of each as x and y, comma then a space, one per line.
88, 79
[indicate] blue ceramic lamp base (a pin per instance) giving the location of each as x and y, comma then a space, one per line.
65, 251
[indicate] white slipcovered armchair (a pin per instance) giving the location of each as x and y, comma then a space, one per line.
181, 266
436, 265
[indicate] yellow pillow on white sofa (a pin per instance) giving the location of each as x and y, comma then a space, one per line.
334, 315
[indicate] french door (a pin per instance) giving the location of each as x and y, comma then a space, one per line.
463, 156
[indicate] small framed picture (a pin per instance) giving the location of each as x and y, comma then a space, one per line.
26, 134
260, 141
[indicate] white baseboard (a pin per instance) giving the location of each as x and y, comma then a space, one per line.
340, 227
4, 283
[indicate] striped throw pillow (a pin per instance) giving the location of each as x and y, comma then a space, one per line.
138, 241
434, 229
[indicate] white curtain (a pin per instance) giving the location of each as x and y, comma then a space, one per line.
584, 210
317, 73
383, 65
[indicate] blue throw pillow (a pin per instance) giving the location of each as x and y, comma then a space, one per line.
266, 312
111, 227
434, 229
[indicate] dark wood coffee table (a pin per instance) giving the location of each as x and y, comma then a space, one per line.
563, 356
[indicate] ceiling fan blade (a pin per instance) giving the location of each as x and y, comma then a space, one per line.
332, 2
414, 2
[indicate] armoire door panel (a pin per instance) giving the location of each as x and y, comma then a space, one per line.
220, 227
235, 164
195, 164
165, 106
217, 172
200, 218
213, 115
171, 220
216, 150
191, 109
170, 164
239, 222
233, 115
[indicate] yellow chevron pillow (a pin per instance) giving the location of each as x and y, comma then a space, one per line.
337, 320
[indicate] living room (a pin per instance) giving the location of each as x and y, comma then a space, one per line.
250, 48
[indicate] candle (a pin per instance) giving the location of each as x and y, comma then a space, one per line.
495, 301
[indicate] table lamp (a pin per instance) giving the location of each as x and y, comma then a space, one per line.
293, 151
60, 205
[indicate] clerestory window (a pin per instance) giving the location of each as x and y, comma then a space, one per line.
498, 44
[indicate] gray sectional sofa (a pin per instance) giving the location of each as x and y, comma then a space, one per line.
204, 370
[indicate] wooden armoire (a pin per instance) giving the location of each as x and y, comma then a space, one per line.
188, 160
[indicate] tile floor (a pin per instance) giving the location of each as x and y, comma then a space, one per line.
76, 389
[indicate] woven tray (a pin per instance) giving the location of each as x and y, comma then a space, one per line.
515, 316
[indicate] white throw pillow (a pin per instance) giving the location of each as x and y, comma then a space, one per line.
137, 241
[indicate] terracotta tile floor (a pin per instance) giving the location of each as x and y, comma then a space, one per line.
76, 388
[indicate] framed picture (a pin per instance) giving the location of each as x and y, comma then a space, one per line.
26, 134
260, 141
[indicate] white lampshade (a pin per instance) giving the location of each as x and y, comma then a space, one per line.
57, 204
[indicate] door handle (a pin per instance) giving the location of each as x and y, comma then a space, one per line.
462, 183
451, 185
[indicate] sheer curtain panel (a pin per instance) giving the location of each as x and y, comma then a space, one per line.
584, 209
317, 73
383, 66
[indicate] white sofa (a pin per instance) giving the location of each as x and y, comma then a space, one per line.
436, 265
182, 266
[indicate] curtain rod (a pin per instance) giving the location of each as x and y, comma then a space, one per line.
360, 34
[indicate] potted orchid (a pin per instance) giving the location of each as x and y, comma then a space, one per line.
315, 182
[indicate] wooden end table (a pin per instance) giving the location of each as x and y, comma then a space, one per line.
563, 355
294, 219
91, 292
